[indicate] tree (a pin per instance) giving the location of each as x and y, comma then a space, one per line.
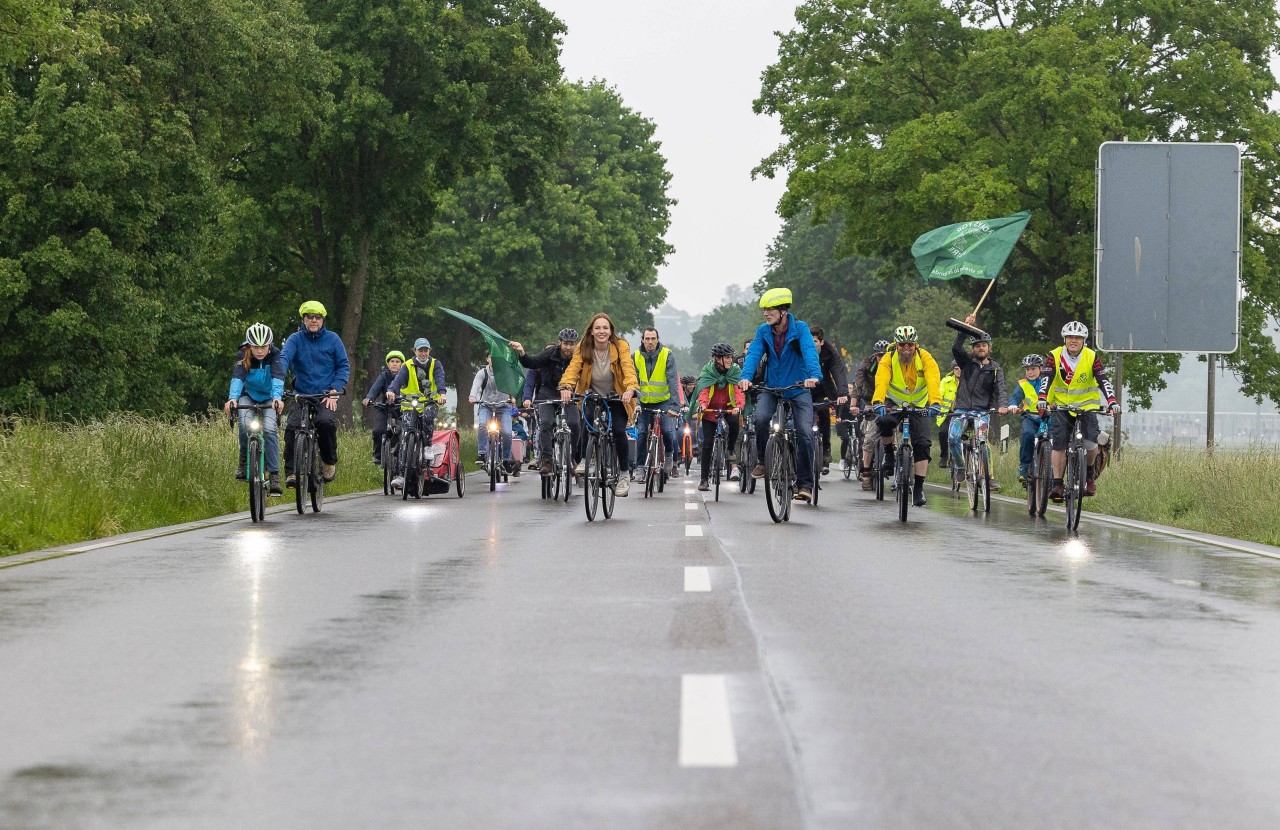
730, 322
901, 116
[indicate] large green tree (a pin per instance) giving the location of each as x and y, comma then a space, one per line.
905, 115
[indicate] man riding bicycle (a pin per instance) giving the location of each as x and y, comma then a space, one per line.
491, 402
422, 375
980, 388
908, 376
787, 344
1074, 377
319, 364
659, 398
548, 366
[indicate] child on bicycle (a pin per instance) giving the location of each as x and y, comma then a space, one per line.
258, 377
717, 388
1023, 399
382, 415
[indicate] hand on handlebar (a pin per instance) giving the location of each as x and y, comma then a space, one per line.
810, 383
935, 409
228, 407
880, 410
331, 402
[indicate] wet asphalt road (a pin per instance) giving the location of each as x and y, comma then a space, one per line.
498, 662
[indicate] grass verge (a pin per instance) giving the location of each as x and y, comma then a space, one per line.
67, 483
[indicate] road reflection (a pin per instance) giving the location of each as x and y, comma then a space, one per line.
253, 700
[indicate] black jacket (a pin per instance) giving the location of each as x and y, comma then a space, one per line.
550, 365
835, 383
980, 387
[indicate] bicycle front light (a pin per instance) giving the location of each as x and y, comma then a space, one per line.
686, 430
493, 426
777, 427
255, 425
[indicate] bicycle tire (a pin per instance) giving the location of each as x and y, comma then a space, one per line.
877, 469
1077, 488
459, 476
301, 466
969, 460
409, 451
717, 461
846, 457
774, 486
254, 473
905, 462
490, 461
608, 478
984, 468
1070, 497
1044, 476
388, 465
744, 471
316, 490
591, 495
565, 465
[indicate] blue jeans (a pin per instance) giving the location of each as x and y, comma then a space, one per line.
1030, 426
270, 437
483, 413
957, 426
802, 413
644, 423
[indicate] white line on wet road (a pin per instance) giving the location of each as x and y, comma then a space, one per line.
697, 579
693, 530
706, 731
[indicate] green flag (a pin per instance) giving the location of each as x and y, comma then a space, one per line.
968, 249
508, 374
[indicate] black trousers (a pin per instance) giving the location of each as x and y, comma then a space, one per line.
709, 438
326, 423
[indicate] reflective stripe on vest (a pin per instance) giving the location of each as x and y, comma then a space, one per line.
1029, 394
655, 389
898, 384
948, 389
1083, 390
412, 387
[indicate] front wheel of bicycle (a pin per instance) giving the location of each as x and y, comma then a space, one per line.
777, 481
984, 476
564, 466
608, 478
301, 472
257, 486
591, 493
971, 473
877, 468
905, 462
1074, 487
1044, 476
316, 489
410, 452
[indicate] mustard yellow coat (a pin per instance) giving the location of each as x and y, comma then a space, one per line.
578, 375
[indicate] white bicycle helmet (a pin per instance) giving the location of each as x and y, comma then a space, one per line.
906, 334
1075, 329
259, 334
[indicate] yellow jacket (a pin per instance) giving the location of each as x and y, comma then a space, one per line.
577, 376
932, 378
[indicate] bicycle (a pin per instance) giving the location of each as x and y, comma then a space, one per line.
686, 446
600, 458
819, 447
1073, 477
904, 461
655, 468
413, 445
1041, 471
719, 459
256, 460
390, 449
976, 457
851, 458
780, 456
308, 467
746, 454
560, 482
493, 463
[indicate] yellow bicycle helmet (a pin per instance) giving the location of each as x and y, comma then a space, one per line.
775, 297
313, 307
396, 353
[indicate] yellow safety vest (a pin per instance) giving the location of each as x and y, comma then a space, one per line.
898, 392
655, 389
948, 390
1030, 392
1083, 390
412, 387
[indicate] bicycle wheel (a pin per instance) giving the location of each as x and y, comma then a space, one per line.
459, 477
905, 462
301, 471
590, 493
564, 465
1044, 476
984, 476
388, 464
1081, 474
1071, 488
717, 461
491, 461
409, 452
877, 468
257, 492
777, 489
316, 489
970, 473
846, 457
744, 471
608, 477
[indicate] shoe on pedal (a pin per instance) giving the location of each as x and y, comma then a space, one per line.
273, 485
757, 471
803, 494
704, 485
1090, 487
621, 488
546, 468
290, 480
1057, 491
919, 500
329, 471
397, 483
240, 474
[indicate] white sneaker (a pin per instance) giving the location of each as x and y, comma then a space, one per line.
581, 468
397, 483
844, 464
622, 488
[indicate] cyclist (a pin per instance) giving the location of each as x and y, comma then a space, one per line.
864, 389
948, 389
421, 373
659, 398
981, 387
834, 386
319, 363
688, 393
491, 402
548, 367
908, 376
257, 378
1023, 400
394, 360
1075, 376
787, 344
602, 363
688, 388
717, 389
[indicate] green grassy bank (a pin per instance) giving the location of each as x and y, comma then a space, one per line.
65, 483
1230, 492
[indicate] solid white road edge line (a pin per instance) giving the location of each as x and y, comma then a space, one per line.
706, 731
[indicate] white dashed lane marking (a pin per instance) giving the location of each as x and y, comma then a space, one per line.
697, 579
693, 530
706, 731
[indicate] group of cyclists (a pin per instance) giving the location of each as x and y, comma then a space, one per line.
786, 358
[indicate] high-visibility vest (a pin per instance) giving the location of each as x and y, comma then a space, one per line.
412, 387
653, 389
1083, 390
1030, 392
948, 390
898, 392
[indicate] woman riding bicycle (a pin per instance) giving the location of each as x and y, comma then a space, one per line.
717, 389
257, 378
602, 363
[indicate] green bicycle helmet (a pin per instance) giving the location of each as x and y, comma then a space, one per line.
312, 307
775, 297
396, 353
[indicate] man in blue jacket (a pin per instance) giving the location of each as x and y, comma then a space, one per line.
319, 364
787, 345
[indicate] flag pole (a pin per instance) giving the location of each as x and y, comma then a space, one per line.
990, 286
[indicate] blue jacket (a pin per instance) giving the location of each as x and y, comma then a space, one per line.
262, 382
378, 391
798, 361
319, 361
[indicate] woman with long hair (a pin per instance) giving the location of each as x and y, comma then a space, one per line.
602, 363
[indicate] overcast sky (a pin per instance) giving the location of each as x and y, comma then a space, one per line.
693, 68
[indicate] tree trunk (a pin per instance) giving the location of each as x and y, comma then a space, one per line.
458, 351
352, 311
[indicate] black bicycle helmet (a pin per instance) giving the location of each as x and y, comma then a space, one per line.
687, 379
568, 335
722, 350
880, 347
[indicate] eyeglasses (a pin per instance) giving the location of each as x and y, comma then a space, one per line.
313, 317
